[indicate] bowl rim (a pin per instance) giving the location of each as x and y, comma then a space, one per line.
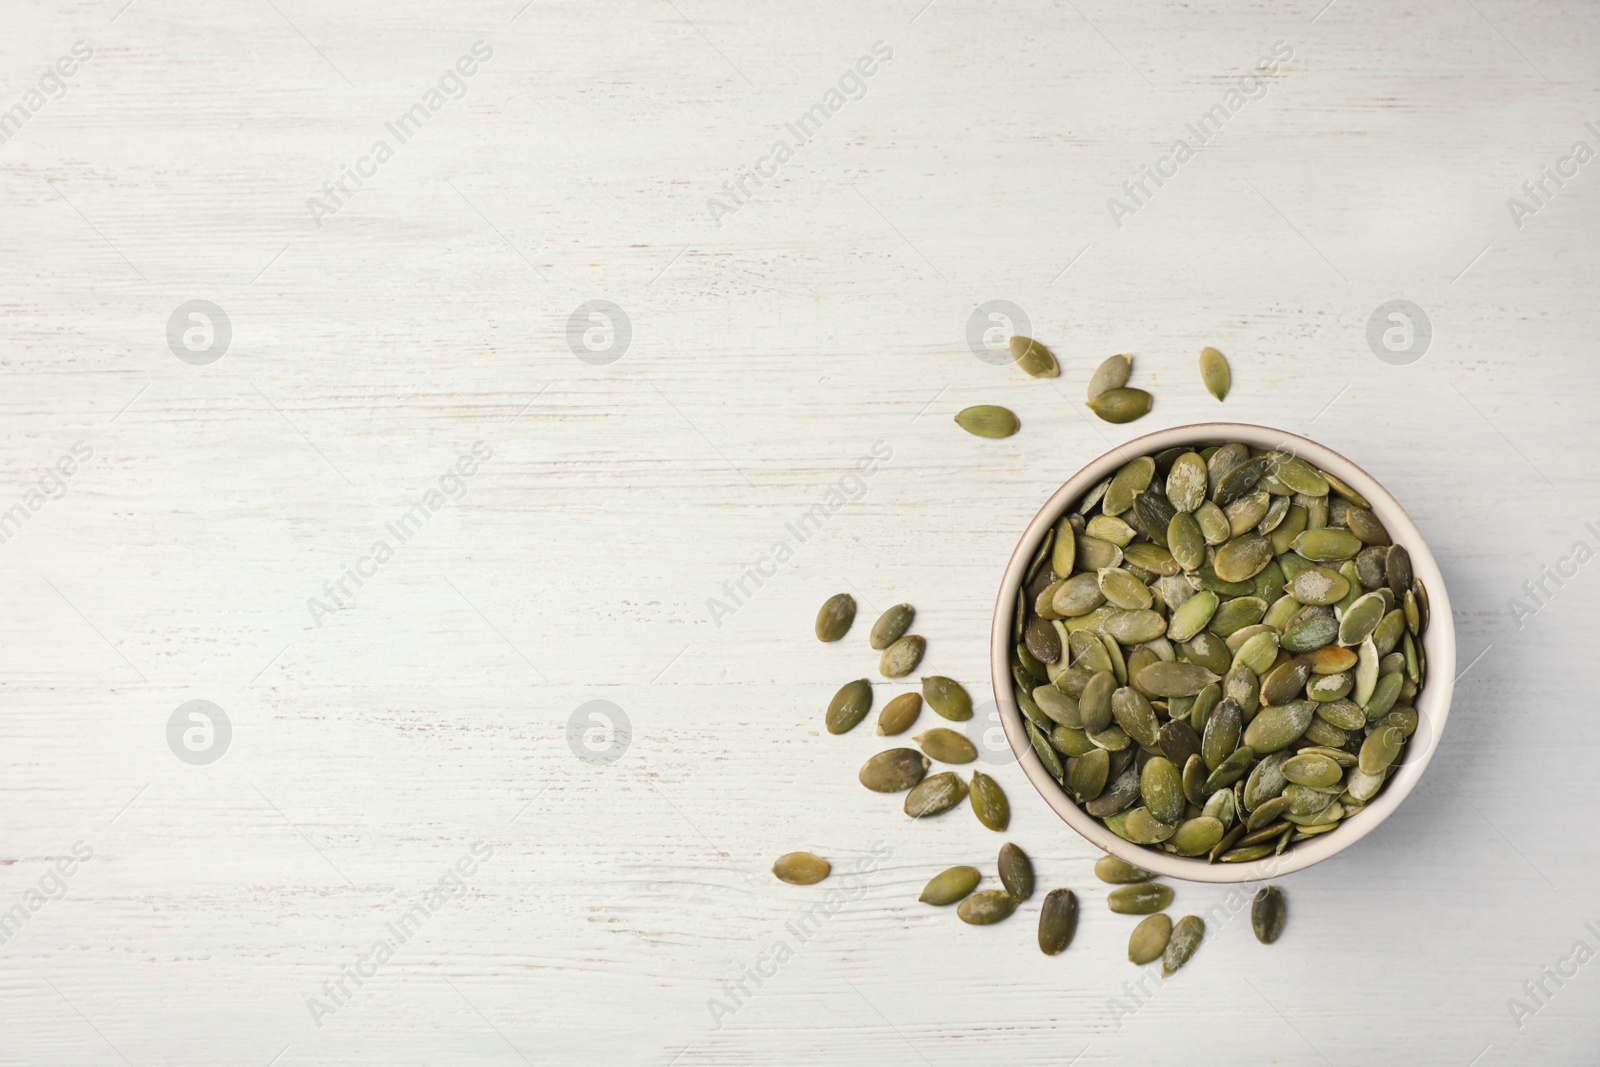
1432, 704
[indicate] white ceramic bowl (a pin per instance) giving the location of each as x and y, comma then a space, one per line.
1432, 703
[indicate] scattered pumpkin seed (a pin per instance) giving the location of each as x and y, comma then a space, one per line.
1267, 914
988, 420
1187, 933
1034, 358
898, 715
891, 626
934, 794
1149, 939
835, 616
988, 906
947, 697
946, 745
801, 868
894, 770
1214, 372
950, 885
989, 802
849, 706
1116, 871
1112, 374
1058, 921
1142, 898
1121, 405
902, 657
1016, 871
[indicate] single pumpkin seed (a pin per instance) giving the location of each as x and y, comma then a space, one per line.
1161, 786
1186, 541
1149, 939
1112, 374
1197, 836
1135, 715
989, 802
849, 706
1248, 512
1142, 898
947, 697
1121, 405
1328, 545
1187, 933
1132, 627
1132, 479
1046, 752
988, 906
1143, 828
902, 657
1213, 522
934, 794
1230, 770
835, 616
1116, 871
1214, 372
801, 868
1087, 774
1016, 871
1110, 528
894, 770
1319, 585
1116, 797
891, 626
988, 420
1124, 590
1035, 359
950, 885
1187, 482
1313, 770
1397, 569
1277, 728
946, 746
1267, 914
1058, 921
1153, 558
1380, 749
898, 715
1093, 554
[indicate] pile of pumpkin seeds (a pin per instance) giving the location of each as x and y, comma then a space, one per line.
1217, 652
1108, 395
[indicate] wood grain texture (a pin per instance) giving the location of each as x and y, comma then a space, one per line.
623, 901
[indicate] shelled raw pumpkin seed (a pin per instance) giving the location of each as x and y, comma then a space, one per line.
1218, 651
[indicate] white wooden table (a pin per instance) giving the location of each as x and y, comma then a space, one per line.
618, 907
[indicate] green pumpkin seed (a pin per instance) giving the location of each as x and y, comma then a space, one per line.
1248, 512
1197, 836
1058, 921
894, 770
946, 746
1277, 728
1319, 585
1234, 615
1221, 736
891, 626
1087, 774
1044, 644
1258, 652
934, 794
1214, 373
801, 868
1123, 589
902, 657
1121, 405
1135, 715
1060, 707
1045, 751
1344, 714
1153, 558
1397, 569
1143, 898
1213, 522
1293, 524
1327, 545
1133, 627
1110, 528
1016, 871
1112, 374
1240, 480
1166, 678
1187, 933
898, 715
988, 420
849, 706
1324, 687
1266, 781
1133, 479
1116, 871
1149, 939
947, 697
1380, 749
1035, 359
1267, 914
1078, 595
1161, 786
1143, 828
1243, 558
1310, 633
988, 906
1269, 812
1245, 855
989, 802
1316, 770
1369, 567
1230, 770
1384, 695
1222, 806
1095, 554
835, 616
1116, 797
950, 885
